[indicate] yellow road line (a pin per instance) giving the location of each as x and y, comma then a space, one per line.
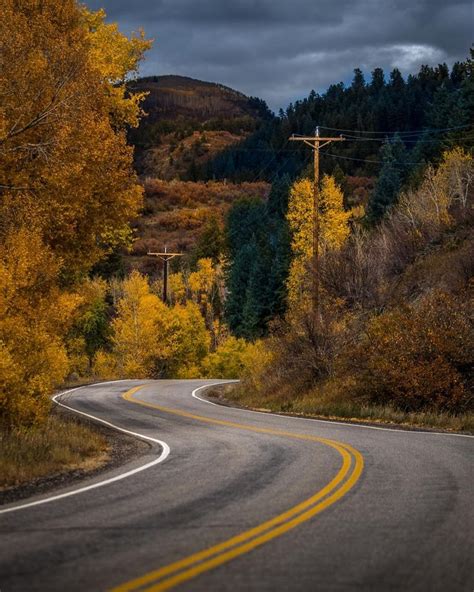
250, 539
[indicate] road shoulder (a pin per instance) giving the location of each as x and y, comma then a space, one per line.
220, 394
121, 448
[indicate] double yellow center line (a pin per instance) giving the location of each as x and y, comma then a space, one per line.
181, 571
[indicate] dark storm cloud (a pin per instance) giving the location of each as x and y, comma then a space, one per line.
280, 50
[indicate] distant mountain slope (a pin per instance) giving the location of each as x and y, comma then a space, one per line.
188, 123
179, 97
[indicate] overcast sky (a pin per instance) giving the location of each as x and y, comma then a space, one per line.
281, 49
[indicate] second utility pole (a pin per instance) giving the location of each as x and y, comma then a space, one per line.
166, 258
314, 143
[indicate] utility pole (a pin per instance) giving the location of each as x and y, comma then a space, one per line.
315, 143
166, 258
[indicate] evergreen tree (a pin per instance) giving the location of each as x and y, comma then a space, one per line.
210, 244
388, 184
258, 257
278, 198
253, 321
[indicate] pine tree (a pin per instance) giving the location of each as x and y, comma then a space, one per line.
278, 198
388, 185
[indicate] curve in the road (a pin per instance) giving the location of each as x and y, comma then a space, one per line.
185, 569
165, 450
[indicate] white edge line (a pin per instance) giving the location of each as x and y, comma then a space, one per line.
323, 421
164, 454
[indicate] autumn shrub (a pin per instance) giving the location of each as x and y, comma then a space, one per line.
299, 352
230, 360
418, 356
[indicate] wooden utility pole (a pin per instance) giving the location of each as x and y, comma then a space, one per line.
315, 143
166, 258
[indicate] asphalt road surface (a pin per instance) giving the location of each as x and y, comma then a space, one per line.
232, 500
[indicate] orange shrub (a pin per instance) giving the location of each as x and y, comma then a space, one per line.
418, 356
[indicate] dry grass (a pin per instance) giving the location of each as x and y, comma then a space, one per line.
312, 406
60, 444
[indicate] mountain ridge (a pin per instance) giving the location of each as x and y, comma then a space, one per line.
188, 122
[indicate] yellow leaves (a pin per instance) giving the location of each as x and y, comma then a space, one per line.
135, 327
176, 287
151, 339
187, 341
115, 57
334, 219
113, 53
71, 189
333, 225
62, 117
300, 218
202, 280
117, 237
105, 365
442, 188
227, 361
34, 312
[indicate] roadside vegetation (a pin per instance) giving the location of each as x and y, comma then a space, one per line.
56, 445
67, 193
395, 336
313, 405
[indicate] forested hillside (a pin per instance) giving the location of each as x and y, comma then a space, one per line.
430, 111
395, 330
187, 123
427, 114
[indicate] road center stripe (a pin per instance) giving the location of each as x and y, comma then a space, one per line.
197, 563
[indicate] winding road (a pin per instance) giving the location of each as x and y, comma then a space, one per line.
232, 500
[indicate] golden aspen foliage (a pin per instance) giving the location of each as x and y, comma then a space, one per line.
63, 144
230, 359
134, 329
67, 186
115, 57
184, 342
151, 339
333, 227
205, 287
105, 365
34, 314
202, 281
176, 287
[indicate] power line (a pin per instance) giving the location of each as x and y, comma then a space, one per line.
351, 139
401, 133
374, 161
275, 155
404, 140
